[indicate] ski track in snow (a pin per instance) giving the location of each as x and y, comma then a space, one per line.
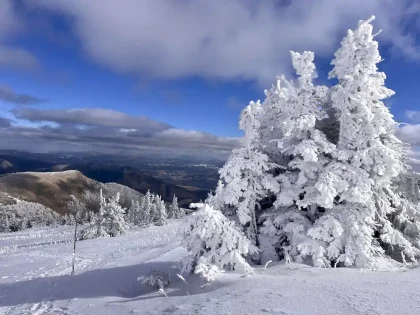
35, 268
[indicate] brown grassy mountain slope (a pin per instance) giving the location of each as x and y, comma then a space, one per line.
50, 189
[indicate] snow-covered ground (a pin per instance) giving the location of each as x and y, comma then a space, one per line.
35, 268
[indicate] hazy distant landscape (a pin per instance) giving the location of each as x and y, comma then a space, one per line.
190, 178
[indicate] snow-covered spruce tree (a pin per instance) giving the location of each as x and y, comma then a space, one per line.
72, 219
214, 243
162, 214
306, 147
110, 221
75, 205
146, 209
306, 150
154, 203
174, 211
5, 225
245, 176
361, 220
134, 213
131, 212
364, 208
344, 196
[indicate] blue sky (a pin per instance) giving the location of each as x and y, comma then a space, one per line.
186, 66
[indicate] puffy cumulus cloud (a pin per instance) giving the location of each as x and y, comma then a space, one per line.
235, 39
410, 134
11, 56
8, 95
106, 131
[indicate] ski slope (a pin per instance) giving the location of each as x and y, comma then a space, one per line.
35, 267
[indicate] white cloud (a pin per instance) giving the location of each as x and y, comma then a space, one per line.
8, 95
104, 130
10, 56
89, 116
410, 134
414, 159
232, 39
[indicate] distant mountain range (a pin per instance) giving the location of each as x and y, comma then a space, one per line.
89, 174
138, 181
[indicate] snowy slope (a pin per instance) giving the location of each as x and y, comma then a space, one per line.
35, 267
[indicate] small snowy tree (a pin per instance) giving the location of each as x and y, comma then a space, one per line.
146, 209
110, 221
131, 212
162, 214
5, 225
74, 205
215, 243
175, 211
156, 279
154, 205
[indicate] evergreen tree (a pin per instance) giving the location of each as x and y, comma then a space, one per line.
246, 178
346, 195
367, 144
72, 219
154, 207
110, 221
307, 148
134, 213
24, 223
175, 211
5, 223
162, 214
214, 243
146, 209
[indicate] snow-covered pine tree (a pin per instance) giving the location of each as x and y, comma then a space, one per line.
110, 221
130, 215
72, 219
306, 150
214, 243
174, 210
24, 223
343, 205
154, 205
246, 177
359, 225
5, 225
114, 217
162, 214
134, 213
146, 209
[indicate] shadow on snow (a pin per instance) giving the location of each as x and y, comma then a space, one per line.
110, 282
